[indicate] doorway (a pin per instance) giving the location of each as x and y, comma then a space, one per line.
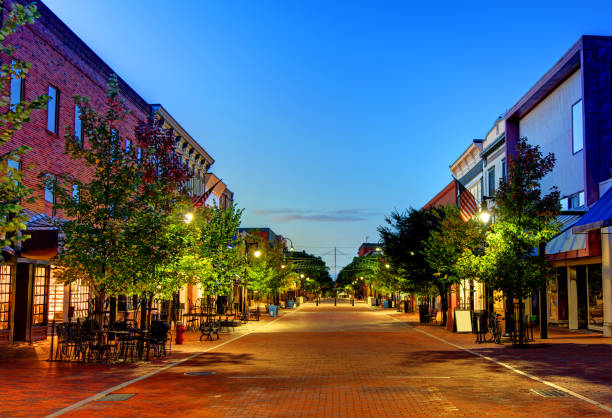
22, 292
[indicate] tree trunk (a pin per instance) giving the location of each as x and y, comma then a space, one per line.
521, 338
99, 308
444, 302
143, 311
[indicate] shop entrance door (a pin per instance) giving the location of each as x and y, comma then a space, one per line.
22, 299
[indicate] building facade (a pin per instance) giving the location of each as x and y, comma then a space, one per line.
63, 66
568, 112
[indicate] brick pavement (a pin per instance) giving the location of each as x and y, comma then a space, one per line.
338, 361
32, 386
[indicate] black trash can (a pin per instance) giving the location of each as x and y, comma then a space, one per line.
406, 306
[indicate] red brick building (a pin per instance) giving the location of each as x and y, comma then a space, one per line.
62, 66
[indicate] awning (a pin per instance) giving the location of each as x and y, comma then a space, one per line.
598, 216
566, 240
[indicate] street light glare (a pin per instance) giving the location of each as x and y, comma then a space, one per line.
485, 216
283, 266
387, 265
257, 253
291, 249
301, 276
188, 217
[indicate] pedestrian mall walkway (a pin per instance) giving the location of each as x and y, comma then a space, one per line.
328, 360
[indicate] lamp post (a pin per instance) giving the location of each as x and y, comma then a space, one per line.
485, 217
290, 248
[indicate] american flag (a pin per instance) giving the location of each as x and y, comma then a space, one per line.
467, 204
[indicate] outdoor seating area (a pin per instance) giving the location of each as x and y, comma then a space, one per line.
123, 341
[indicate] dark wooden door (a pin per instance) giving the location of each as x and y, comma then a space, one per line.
21, 302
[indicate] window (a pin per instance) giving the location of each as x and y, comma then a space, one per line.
128, 145
16, 88
138, 154
13, 168
575, 200
572, 201
49, 188
5, 296
577, 138
52, 110
75, 192
491, 181
503, 168
41, 293
78, 126
79, 298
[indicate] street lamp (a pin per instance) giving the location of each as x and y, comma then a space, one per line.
485, 216
257, 253
290, 248
387, 266
188, 217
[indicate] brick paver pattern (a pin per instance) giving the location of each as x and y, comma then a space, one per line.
328, 361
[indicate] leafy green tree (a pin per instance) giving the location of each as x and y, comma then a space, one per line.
404, 237
98, 209
446, 245
524, 222
310, 266
13, 193
270, 273
216, 258
157, 228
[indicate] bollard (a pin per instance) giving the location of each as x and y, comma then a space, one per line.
335, 300
352, 302
317, 302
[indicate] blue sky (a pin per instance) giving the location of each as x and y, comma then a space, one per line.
325, 116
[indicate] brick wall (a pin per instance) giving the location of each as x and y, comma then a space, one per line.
61, 59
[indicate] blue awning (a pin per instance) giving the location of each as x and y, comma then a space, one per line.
598, 216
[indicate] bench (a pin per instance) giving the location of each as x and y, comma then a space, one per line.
432, 315
254, 314
208, 329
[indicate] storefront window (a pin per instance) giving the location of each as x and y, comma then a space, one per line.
56, 298
41, 289
79, 299
595, 294
558, 295
5, 296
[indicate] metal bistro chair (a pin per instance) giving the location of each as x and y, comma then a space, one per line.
158, 338
68, 342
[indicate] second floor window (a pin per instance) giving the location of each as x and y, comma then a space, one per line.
577, 137
491, 181
16, 88
13, 167
128, 145
49, 189
52, 109
504, 168
78, 126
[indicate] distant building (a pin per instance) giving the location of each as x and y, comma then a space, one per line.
369, 248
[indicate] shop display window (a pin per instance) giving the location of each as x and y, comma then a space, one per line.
5, 296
